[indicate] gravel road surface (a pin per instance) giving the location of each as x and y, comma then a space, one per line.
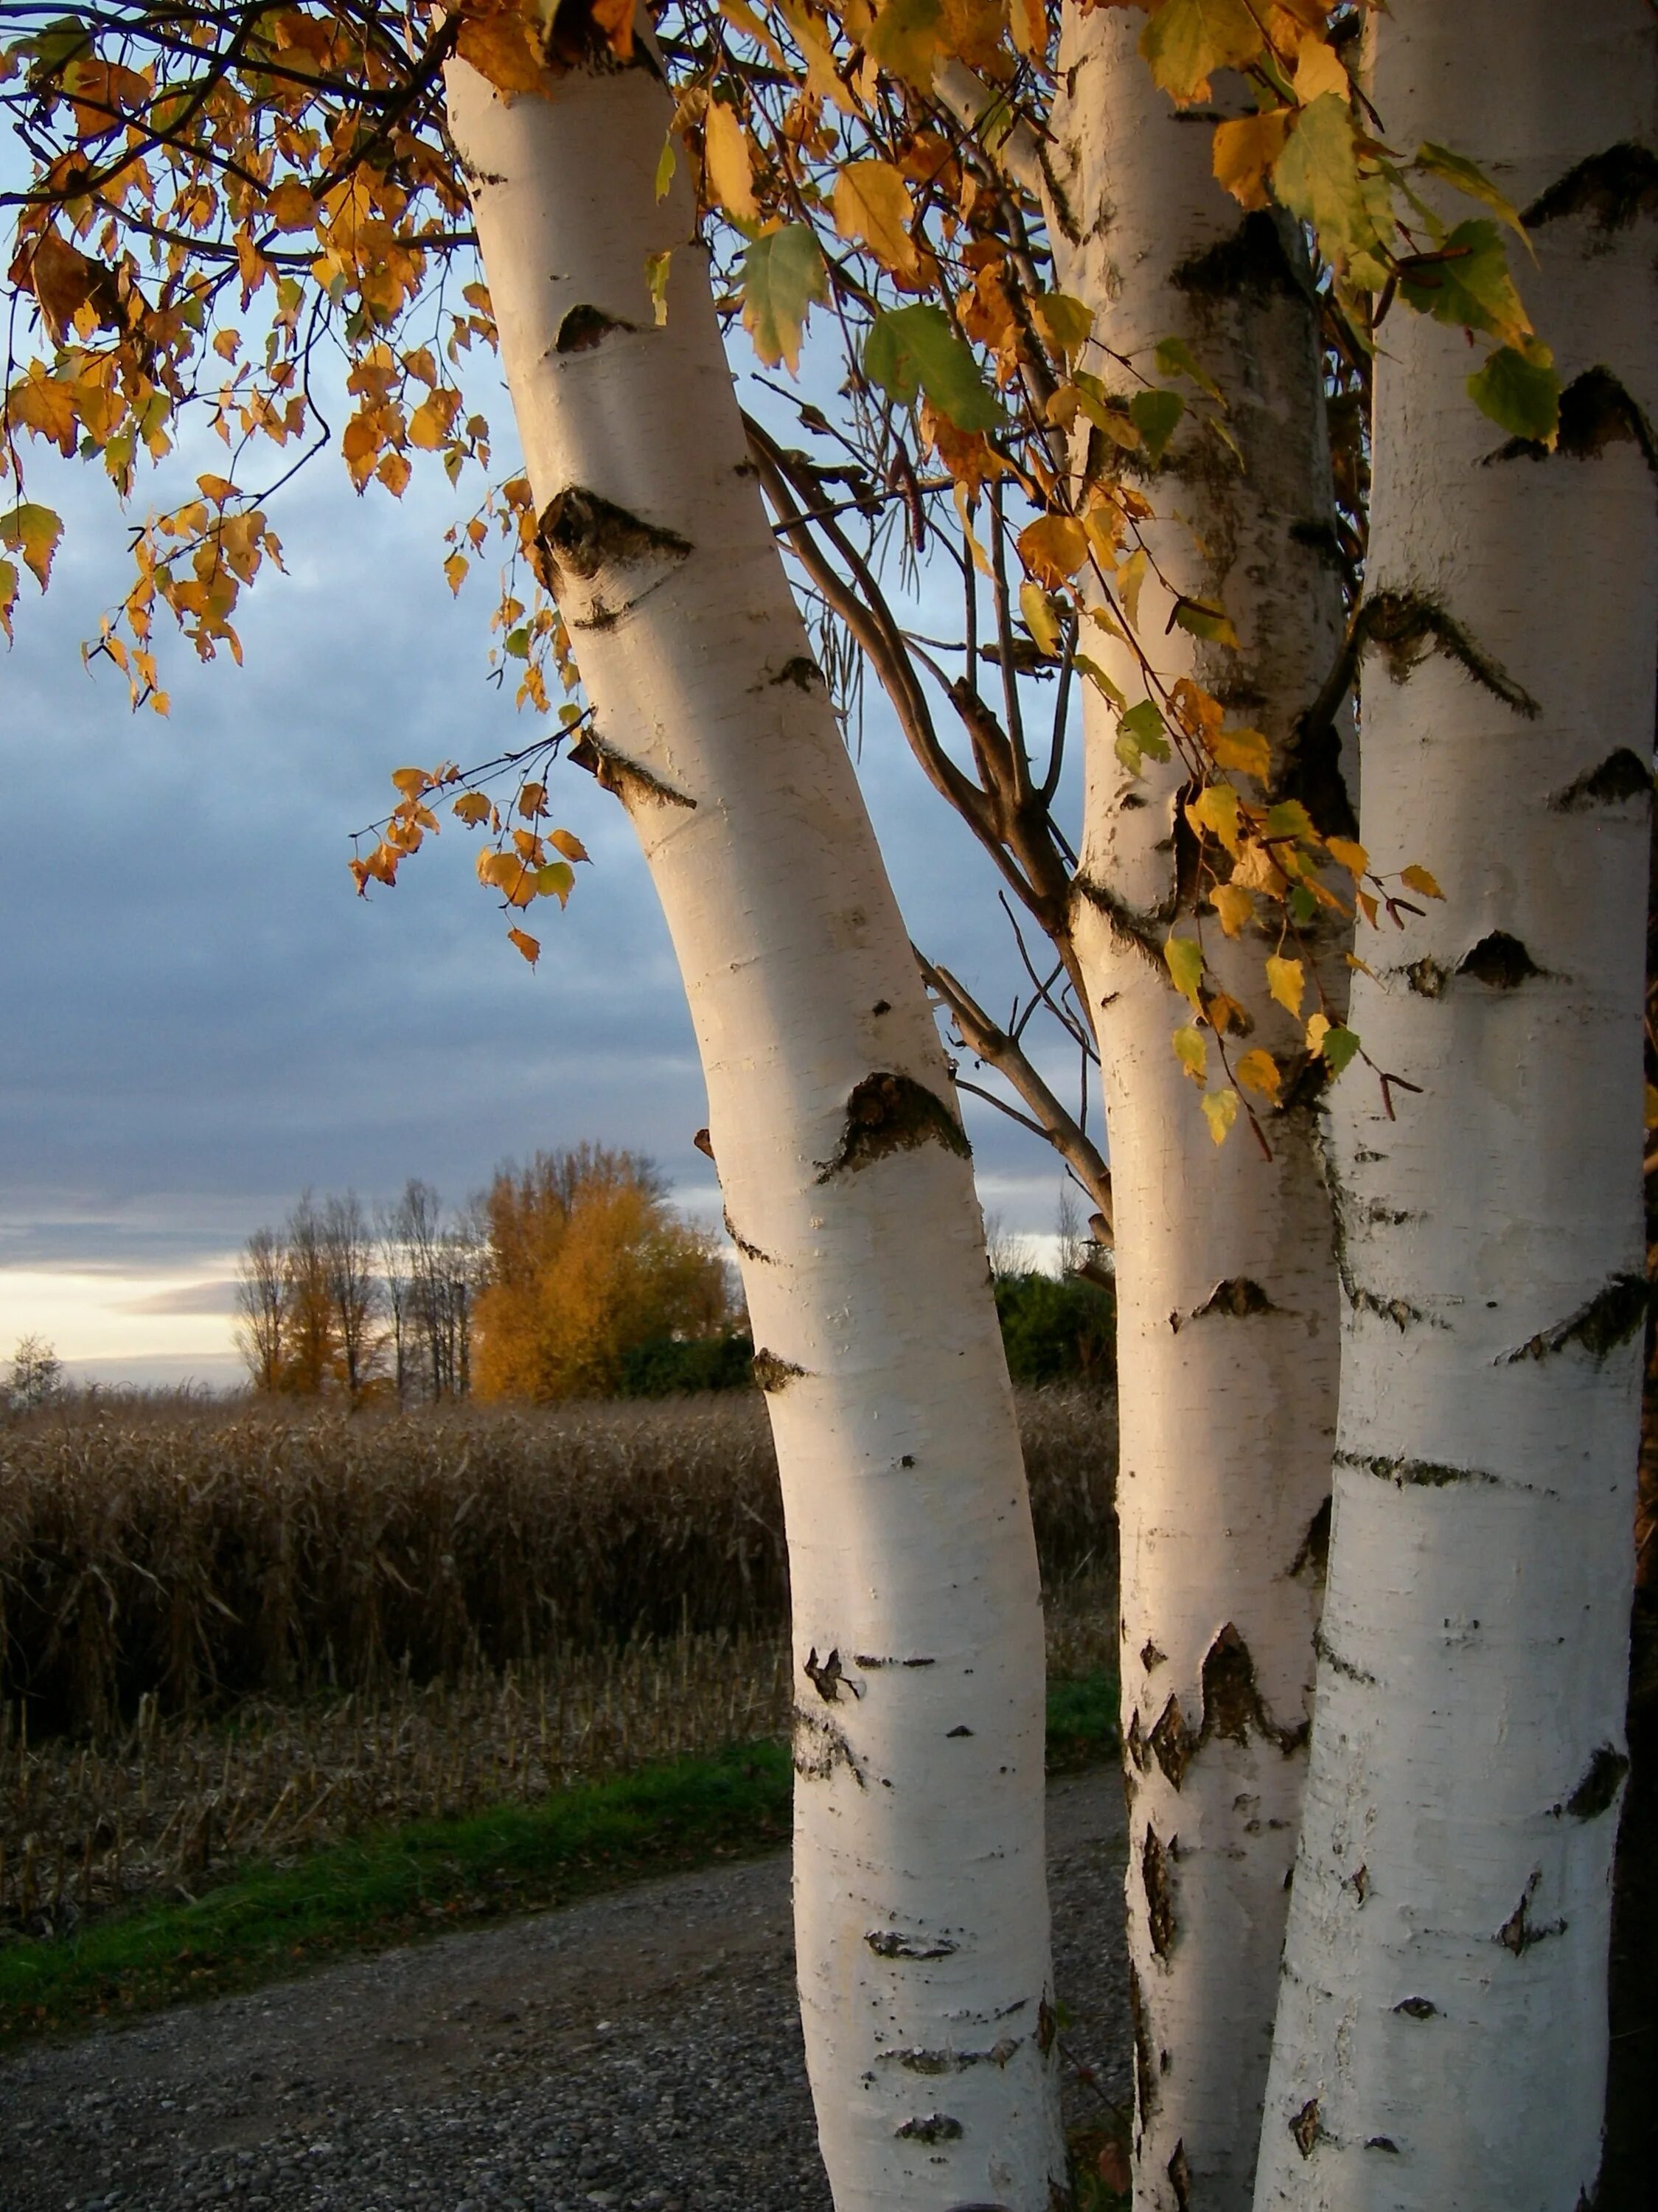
641, 2051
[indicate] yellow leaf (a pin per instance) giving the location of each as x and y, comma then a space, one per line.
1259, 1070
1319, 69
872, 204
1349, 855
1419, 880
1186, 40
1246, 149
1028, 20
532, 800
411, 781
725, 160
528, 945
656, 277
1193, 1053
291, 207
1247, 750
1130, 579
1053, 548
503, 50
570, 845
455, 569
1216, 809
33, 532
1220, 1110
472, 807
1184, 956
1369, 908
1234, 905
1651, 1107
394, 472
1287, 981
1039, 619
1318, 1028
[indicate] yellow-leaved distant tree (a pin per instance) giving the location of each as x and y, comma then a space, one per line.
587, 1260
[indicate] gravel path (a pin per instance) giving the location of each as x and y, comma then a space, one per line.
640, 2051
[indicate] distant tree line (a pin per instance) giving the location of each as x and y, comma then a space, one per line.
571, 1277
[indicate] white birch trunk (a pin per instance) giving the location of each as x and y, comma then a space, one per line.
1227, 1296
1442, 2035
919, 1883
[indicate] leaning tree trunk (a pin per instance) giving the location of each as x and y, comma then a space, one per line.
1228, 1309
920, 1884
1441, 2032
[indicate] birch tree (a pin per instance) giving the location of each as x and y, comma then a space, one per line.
1443, 2034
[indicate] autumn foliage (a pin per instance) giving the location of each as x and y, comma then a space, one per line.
587, 1262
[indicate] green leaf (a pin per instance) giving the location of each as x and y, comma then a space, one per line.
1146, 727
1192, 1053
1521, 393
667, 162
517, 643
556, 880
1186, 40
1339, 1047
1466, 282
1288, 818
1205, 622
783, 274
1097, 676
1175, 358
1457, 170
1317, 178
1040, 619
1185, 957
1220, 1110
1156, 415
914, 350
1303, 907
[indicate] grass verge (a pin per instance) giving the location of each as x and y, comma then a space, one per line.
389, 1885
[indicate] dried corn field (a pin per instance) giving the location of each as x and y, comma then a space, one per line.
196, 1563
167, 1807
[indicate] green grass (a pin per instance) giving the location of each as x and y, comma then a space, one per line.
390, 1885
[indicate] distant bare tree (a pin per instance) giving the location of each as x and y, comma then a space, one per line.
262, 1307
353, 1292
433, 1270
36, 1377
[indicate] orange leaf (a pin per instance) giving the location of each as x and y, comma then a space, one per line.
473, 808
1247, 148
502, 49
1419, 879
569, 845
528, 945
1053, 548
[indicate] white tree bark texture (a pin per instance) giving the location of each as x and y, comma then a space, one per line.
921, 1901
1442, 2034
1228, 1313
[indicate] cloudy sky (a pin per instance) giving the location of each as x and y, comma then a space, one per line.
200, 1019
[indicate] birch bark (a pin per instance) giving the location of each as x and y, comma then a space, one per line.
1442, 2035
920, 1884
1227, 1296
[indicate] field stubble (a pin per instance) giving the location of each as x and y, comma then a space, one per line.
243, 1636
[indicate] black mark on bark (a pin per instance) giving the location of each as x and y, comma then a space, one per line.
1232, 1703
772, 1373
962, 1730
584, 327
1313, 1557
1405, 626
820, 1747
629, 782
1251, 263
1159, 1897
581, 532
1135, 1741
952, 2062
1609, 1319
1180, 2178
1140, 929
1047, 2026
1622, 776
749, 1251
935, 2127
1381, 2142
1145, 2074
1400, 1312
1173, 1743
1237, 1296
1598, 1790
1595, 412
1305, 2127
1612, 189
1520, 1931
1424, 1473
802, 671
1427, 978
827, 1676
889, 1114
1333, 1659
1500, 961
893, 1943
1150, 1657
1418, 2009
